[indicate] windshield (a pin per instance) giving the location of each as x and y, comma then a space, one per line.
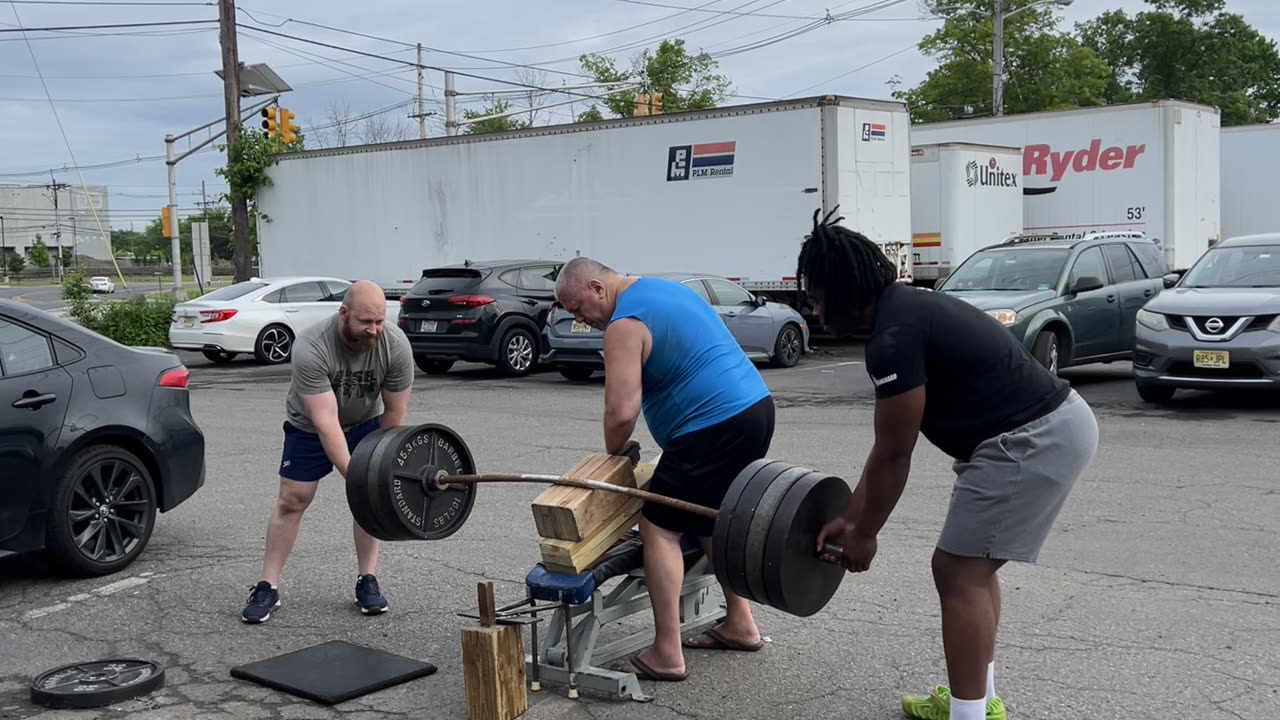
231, 292
1241, 267
1019, 269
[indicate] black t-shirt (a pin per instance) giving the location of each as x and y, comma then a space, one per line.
979, 380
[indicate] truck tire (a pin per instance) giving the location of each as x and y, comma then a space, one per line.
517, 352
432, 366
1046, 350
788, 347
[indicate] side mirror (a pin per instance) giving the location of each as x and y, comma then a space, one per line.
1085, 284
760, 300
1171, 279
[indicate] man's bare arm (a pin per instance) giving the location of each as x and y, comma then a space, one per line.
897, 426
322, 408
395, 405
624, 350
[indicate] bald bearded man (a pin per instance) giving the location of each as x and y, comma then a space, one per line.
351, 375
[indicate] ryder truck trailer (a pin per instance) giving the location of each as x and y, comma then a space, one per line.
1151, 167
1250, 202
964, 197
729, 191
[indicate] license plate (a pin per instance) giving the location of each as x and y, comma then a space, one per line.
579, 328
188, 322
1215, 359
429, 326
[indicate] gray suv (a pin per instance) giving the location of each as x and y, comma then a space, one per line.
1217, 327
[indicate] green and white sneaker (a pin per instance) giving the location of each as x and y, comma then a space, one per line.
937, 706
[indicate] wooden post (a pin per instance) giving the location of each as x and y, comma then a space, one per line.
493, 664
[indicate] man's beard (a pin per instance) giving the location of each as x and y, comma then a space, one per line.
357, 342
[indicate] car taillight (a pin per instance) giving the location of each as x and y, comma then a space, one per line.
470, 300
213, 316
404, 300
175, 378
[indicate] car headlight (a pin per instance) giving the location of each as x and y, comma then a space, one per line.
1004, 317
1155, 321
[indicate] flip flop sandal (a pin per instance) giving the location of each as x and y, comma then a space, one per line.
643, 671
718, 641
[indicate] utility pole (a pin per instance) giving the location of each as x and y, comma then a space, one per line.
422, 116
450, 108
4, 254
997, 59
231, 89
55, 186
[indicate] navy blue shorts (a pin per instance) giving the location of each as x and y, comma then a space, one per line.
304, 459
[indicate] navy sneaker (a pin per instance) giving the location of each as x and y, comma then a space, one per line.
369, 597
262, 601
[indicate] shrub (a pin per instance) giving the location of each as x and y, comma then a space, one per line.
140, 320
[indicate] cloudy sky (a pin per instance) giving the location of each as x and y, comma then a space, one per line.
118, 91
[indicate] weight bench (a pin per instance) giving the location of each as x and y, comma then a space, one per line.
570, 652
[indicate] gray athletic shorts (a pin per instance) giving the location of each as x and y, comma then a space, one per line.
1008, 495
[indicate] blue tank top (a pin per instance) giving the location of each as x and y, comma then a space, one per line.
696, 375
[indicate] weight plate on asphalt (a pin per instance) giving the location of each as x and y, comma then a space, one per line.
757, 533
797, 580
96, 684
420, 509
743, 511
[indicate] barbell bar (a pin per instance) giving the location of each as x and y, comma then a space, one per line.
419, 483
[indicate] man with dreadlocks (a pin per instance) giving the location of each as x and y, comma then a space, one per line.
667, 353
1020, 437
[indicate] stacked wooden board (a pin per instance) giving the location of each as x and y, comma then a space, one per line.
578, 525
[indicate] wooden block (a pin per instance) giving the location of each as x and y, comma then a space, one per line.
571, 513
565, 556
493, 672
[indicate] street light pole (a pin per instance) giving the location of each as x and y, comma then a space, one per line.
997, 59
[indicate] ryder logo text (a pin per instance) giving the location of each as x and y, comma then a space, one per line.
1043, 160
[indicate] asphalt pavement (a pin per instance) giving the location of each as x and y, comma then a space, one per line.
1156, 595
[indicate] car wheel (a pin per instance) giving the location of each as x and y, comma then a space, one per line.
516, 352
432, 367
1157, 394
1046, 350
274, 345
786, 349
104, 508
577, 373
220, 357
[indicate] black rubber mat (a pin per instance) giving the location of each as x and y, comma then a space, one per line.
333, 672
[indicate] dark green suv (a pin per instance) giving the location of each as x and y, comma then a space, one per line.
1072, 301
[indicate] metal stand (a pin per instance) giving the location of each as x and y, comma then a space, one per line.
571, 650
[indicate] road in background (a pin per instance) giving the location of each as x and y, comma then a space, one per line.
1160, 573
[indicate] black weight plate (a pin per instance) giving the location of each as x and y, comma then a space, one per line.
799, 582
757, 533
358, 480
414, 511
379, 480
745, 509
96, 684
720, 535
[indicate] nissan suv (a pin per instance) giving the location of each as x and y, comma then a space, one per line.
1071, 301
485, 312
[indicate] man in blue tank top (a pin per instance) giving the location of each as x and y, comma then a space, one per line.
669, 355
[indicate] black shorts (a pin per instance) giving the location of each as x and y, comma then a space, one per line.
699, 467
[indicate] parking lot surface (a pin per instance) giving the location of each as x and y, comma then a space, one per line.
1156, 596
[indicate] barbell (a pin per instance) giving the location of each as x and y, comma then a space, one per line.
418, 482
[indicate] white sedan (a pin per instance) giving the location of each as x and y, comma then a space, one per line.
101, 284
260, 316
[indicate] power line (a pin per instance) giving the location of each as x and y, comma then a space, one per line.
105, 26
106, 2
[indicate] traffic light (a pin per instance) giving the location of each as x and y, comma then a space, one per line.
270, 125
166, 221
648, 104
642, 104
288, 131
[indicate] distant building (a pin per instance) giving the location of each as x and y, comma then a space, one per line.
29, 211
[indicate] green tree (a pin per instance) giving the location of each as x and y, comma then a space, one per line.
248, 156
501, 124
16, 263
687, 82
38, 252
1045, 69
1189, 50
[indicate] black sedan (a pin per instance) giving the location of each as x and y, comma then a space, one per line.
96, 438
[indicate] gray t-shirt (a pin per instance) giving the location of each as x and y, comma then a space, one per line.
322, 362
